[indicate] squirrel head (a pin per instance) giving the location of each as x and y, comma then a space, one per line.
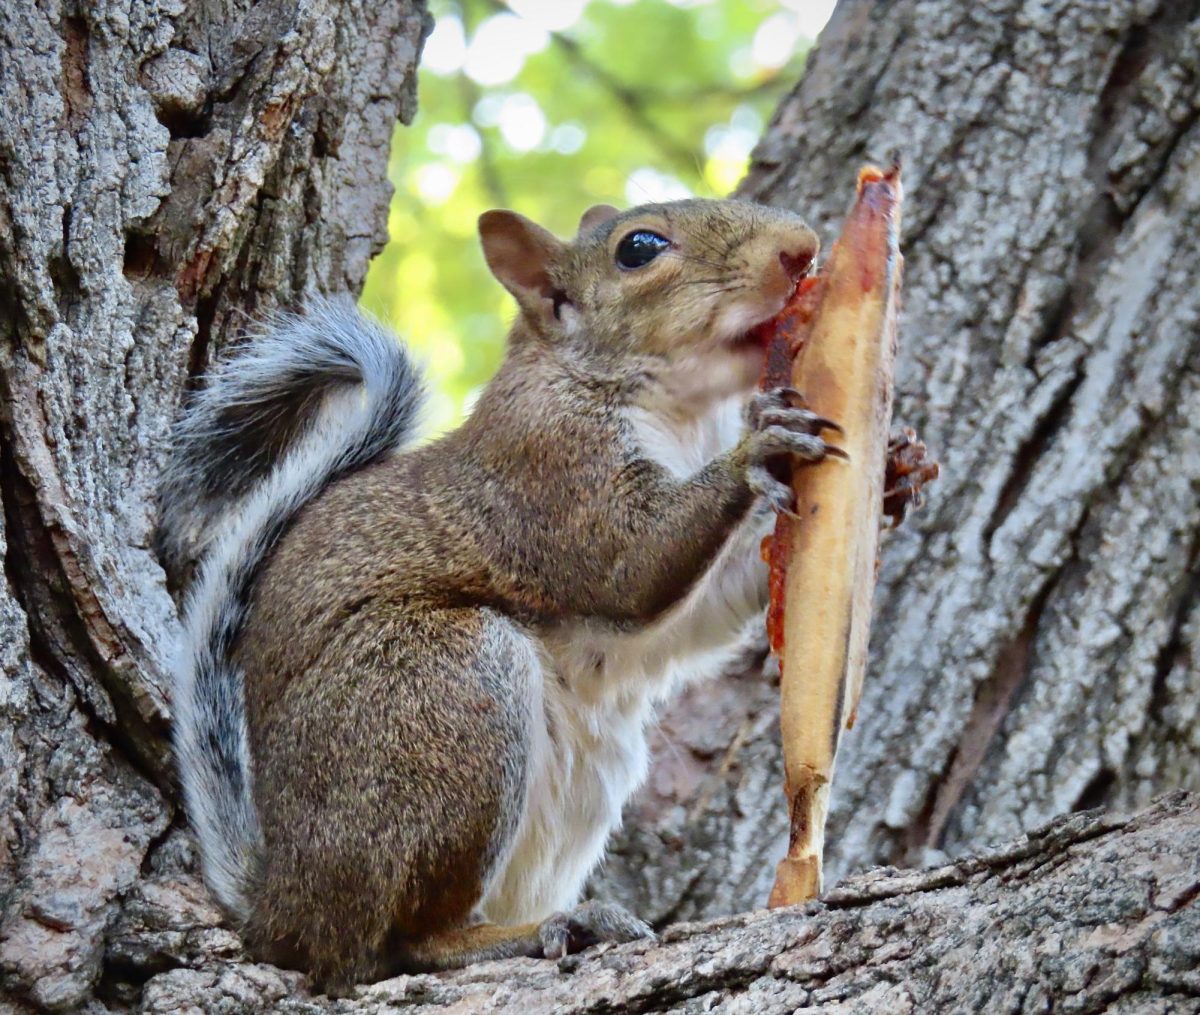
676, 286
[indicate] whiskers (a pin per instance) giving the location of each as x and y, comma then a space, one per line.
719, 285
707, 262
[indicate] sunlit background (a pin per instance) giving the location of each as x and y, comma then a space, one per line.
548, 107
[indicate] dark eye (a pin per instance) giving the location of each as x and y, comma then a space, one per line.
640, 248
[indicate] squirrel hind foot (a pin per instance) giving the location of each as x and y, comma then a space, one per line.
592, 922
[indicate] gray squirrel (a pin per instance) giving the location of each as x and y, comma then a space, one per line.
413, 688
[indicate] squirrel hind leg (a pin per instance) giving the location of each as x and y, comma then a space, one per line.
423, 722
558, 935
589, 923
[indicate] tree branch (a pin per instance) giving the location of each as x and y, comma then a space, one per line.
1093, 912
631, 100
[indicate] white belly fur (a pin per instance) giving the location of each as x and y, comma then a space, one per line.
599, 688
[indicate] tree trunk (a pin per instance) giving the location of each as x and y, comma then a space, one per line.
1036, 646
165, 168
168, 168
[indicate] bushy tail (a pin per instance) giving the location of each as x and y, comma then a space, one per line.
311, 398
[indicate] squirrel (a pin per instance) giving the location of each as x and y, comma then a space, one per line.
414, 684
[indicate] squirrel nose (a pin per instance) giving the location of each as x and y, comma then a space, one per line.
796, 265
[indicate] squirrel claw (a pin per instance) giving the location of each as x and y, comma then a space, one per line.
779, 440
797, 419
781, 427
792, 397
773, 399
590, 923
909, 468
827, 424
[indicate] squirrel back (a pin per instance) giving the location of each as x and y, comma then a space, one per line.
310, 399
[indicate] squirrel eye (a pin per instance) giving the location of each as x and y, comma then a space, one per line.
640, 248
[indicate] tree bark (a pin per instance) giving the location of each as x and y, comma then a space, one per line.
1036, 646
166, 168
1091, 914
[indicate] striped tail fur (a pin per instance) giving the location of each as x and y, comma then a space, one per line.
309, 399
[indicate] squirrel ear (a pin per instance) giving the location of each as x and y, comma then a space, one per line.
519, 253
597, 215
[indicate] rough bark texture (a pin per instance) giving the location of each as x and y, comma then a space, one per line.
163, 167
167, 167
1093, 914
1037, 638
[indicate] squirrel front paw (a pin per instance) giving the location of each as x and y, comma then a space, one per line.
910, 467
780, 425
587, 924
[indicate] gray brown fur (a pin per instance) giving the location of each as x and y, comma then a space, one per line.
384, 641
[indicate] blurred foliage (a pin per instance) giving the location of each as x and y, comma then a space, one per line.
549, 107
